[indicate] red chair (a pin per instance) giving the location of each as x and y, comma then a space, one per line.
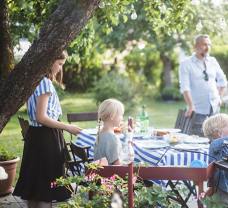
198, 175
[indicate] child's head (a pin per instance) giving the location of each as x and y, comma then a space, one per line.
216, 126
111, 110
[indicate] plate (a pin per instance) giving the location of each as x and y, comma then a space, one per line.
162, 132
199, 140
168, 130
151, 144
190, 146
92, 131
138, 135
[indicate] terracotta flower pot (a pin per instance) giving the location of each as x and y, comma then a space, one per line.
10, 168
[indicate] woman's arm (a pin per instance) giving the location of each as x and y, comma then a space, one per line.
42, 117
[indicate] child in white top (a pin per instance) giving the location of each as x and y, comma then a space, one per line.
108, 145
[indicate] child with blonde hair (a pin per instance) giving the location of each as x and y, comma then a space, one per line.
216, 129
110, 113
216, 126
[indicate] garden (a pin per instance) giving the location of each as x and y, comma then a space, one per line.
129, 50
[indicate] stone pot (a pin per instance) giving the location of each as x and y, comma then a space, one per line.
10, 168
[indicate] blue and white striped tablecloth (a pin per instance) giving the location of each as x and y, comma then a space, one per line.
161, 157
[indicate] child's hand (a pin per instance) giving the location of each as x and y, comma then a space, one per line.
210, 191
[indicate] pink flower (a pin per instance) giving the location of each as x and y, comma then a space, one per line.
53, 184
112, 178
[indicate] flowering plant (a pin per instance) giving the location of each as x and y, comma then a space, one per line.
94, 191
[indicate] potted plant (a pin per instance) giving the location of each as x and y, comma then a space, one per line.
8, 161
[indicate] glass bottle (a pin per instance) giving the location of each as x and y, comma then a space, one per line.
144, 120
127, 154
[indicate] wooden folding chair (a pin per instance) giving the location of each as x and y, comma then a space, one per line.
195, 125
72, 164
24, 126
187, 123
85, 116
80, 155
180, 118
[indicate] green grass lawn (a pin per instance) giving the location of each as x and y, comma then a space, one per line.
162, 114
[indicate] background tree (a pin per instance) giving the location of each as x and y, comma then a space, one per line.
6, 52
57, 32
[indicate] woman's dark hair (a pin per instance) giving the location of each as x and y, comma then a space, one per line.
59, 76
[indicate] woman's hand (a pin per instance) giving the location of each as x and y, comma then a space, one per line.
73, 129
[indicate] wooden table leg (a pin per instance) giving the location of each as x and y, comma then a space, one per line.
200, 190
130, 186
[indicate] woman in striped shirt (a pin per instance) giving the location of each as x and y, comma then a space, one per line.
43, 156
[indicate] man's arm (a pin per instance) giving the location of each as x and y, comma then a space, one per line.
184, 79
188, 100
221, 91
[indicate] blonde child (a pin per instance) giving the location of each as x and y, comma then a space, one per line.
216, 129
110, 113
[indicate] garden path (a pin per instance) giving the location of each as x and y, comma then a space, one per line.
10, 201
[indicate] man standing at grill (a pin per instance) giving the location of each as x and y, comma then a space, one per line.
202, 82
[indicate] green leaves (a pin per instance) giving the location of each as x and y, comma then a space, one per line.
166, 15
6, 155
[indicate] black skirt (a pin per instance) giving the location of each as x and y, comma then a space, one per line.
42, 162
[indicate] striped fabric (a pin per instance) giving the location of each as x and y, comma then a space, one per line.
53, 109
161, 157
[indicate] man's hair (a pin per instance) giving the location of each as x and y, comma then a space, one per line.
198, 38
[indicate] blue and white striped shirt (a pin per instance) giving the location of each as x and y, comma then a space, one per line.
53, 109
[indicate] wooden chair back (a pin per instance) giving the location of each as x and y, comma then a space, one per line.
195, 125
180, 119
80, 156
85, 116
80, 151
24, 124
187, 124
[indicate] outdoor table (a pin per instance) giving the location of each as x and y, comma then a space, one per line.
161, 156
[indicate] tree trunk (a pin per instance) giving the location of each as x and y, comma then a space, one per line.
57, 32
167, 67
6, 52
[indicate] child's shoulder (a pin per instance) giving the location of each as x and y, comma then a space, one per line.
219, 142
107, 134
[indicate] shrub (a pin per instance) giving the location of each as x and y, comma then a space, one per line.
171, 93
60, 91
114, 85
221, 54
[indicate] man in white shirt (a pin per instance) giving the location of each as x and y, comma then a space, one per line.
202, 81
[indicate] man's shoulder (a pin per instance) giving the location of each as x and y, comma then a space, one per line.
211, 59
186, 60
